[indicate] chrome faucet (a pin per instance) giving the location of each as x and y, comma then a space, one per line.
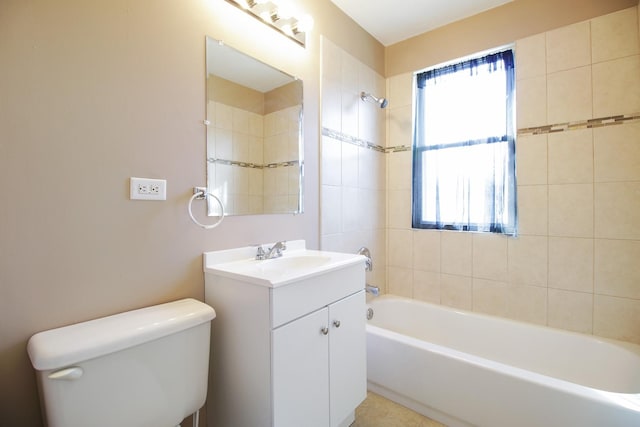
276, 250
368, 264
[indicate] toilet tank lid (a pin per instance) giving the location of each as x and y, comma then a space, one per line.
57, 348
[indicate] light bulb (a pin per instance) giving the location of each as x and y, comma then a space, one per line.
285, 10
286, 28
305, 23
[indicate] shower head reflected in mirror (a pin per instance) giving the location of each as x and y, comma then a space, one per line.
382, 102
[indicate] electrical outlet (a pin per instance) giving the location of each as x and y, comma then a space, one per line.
148, 189
143, 189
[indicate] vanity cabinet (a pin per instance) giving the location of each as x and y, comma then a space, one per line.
319, 365
287, 354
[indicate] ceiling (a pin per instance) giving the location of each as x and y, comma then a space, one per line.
391, 21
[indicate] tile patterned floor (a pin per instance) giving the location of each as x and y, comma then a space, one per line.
376, 411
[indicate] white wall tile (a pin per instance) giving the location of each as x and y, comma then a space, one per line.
331, 210
569, 95
527, 304
350, 209
569, 47
490, 256
571, 210
400, 126
331, 104
350, 108
531, 57
617, 153
331, 161
426, 250
617, 270
615, 35
349, 165
571, 157
616, 87
570, 310
399, 208
528, 260
456, 255
490, 297
399, 166
533, 210
426, 286
400, 281
456, 291
617, 318
400, 90
371, 169
400, 248
531, 102
617, 210
571, 264
531, 159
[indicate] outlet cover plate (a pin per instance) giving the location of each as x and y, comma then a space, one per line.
147, 189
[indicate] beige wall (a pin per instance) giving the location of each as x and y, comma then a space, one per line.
234, 95
495, 27
574, 264
93, 93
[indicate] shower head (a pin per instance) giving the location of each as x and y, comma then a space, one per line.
368, 97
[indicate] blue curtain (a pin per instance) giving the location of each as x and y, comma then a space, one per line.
464, 146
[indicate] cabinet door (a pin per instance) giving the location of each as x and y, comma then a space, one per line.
301, 372
347, 356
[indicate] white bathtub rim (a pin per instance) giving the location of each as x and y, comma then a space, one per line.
630, 401
628, 346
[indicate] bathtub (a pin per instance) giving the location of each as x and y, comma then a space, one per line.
467, 369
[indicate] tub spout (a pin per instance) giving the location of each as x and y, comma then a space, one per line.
373, 290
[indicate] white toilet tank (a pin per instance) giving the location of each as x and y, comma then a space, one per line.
142, 368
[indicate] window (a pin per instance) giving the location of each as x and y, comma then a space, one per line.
464, 146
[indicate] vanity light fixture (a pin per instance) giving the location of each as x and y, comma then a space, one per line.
279, 16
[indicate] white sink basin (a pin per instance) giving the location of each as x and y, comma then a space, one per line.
296, 263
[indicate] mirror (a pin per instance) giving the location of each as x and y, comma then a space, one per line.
254, 135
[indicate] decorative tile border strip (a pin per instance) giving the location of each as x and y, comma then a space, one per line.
253, 165
583, 124
334, 134
539, 130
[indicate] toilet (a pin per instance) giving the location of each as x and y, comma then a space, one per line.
142, 368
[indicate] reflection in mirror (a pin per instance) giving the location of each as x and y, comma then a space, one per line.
254, 135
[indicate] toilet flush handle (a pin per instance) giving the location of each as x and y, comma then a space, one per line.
71, 373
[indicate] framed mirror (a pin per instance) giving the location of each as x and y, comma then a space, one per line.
254, 135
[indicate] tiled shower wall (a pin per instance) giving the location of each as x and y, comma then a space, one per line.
253, 158
353, 163
575, 264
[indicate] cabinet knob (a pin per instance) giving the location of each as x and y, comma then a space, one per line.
336, 323
324, 330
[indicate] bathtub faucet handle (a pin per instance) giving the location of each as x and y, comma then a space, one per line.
368, 263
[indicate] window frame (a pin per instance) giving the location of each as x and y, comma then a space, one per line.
508, 227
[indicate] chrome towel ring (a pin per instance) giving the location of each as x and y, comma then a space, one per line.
201, 193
